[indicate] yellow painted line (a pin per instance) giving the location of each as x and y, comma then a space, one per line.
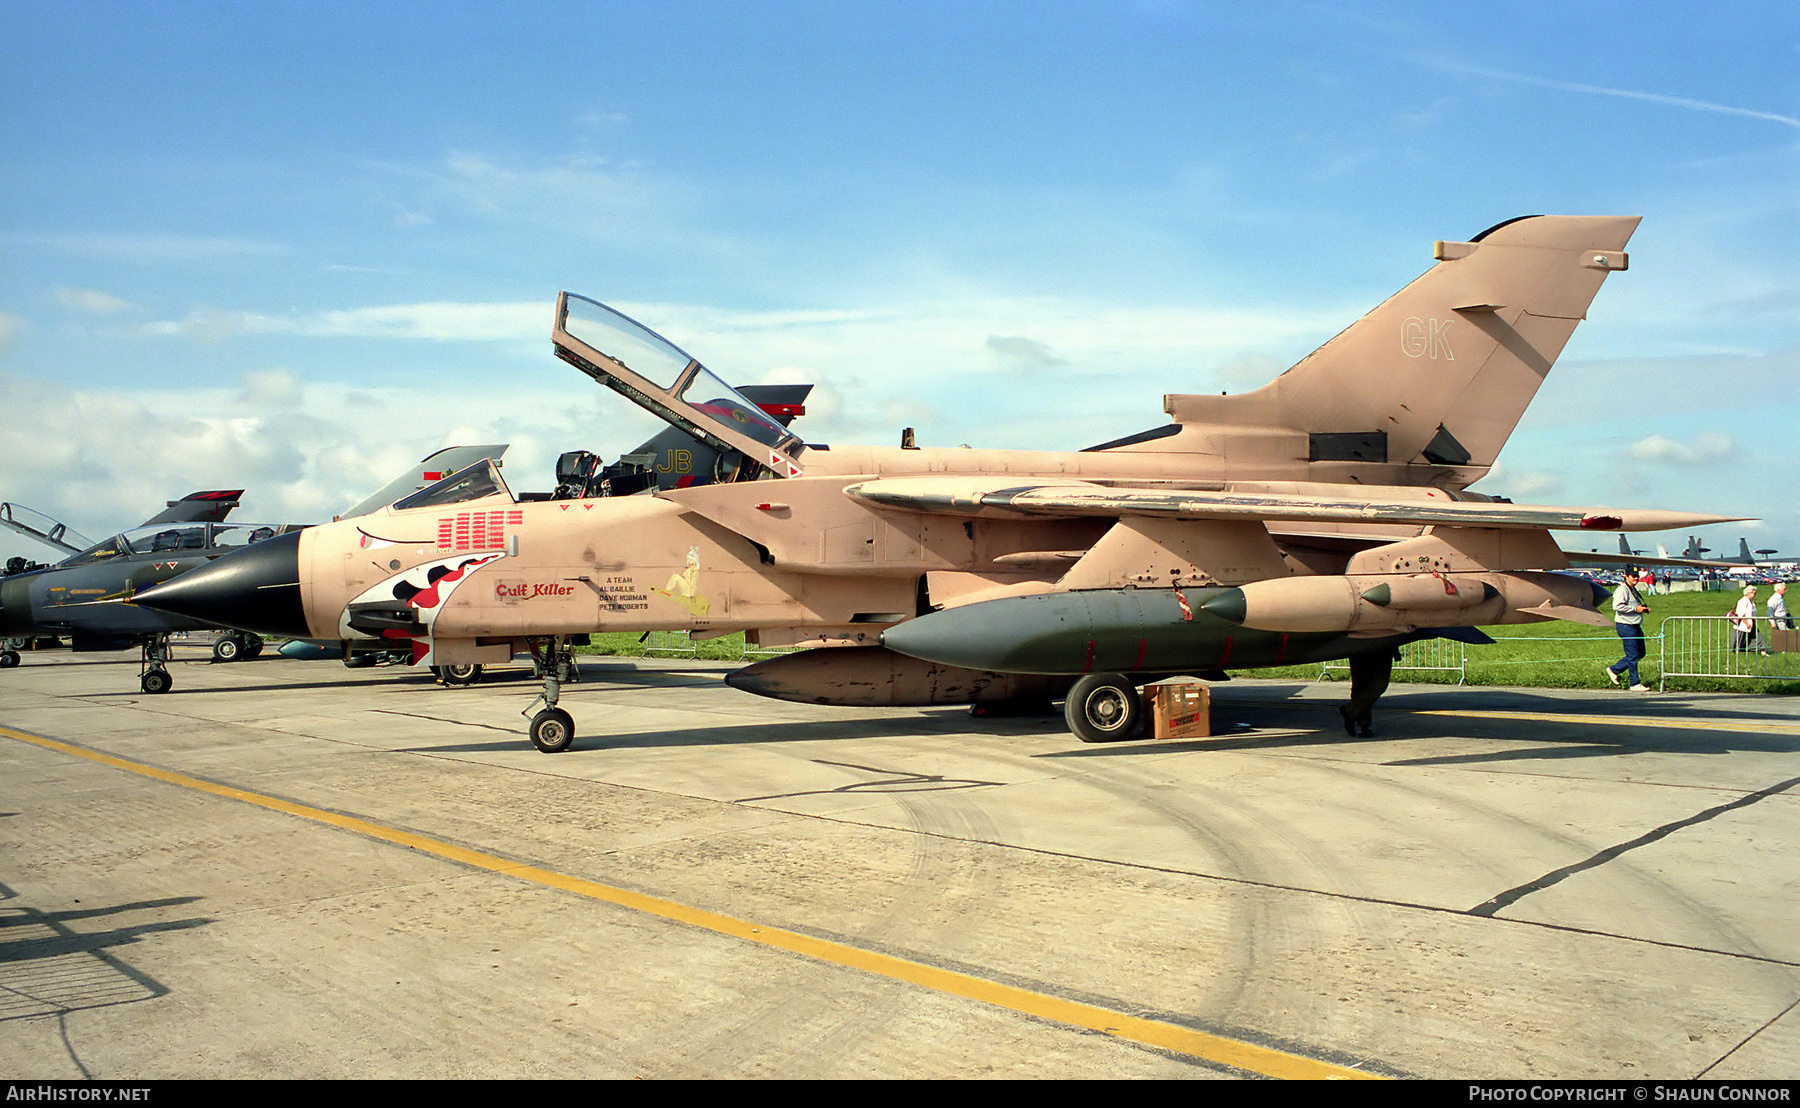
1152, 1033
1754, 727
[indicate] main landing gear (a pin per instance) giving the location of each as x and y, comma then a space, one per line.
235, 646
467, 674
552, 729
153, 673
1104, 708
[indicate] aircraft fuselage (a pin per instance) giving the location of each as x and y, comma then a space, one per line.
89, 603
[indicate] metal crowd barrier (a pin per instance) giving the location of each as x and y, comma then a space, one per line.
673, 643
1440, 655
757, 653
1709, 646
677, 644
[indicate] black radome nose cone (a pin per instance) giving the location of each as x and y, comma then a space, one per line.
254, 589
15, 607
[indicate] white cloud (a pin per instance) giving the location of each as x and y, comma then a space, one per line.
1531, 487
601, 199
102, 461
266, 389
89, 302
953, 361
439, 321
1019, 355
207, 326
153, 248
600, 121
1707, 448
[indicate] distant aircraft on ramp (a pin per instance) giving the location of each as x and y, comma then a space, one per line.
86, 596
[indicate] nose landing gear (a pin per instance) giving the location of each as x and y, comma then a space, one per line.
153, 673
552, 729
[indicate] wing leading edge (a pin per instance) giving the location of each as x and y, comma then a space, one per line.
1410, 506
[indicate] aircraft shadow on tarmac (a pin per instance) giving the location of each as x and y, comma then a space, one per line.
1260, 716
1590, 725
25, 660
1612, 742
401, 675
914, 723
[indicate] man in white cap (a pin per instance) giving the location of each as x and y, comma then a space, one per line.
1628, 621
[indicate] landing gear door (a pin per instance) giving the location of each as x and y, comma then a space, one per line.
660, 377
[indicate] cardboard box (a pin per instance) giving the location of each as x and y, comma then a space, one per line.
1180, 709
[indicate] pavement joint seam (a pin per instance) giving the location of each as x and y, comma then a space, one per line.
1599, 858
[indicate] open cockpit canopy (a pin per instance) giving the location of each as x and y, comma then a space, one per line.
39, 526
660, 377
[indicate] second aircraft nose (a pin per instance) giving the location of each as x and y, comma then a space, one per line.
253, 589
15, 604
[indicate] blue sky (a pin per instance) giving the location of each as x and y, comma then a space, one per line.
293, 247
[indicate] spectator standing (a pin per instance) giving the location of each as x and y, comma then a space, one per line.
1744, 637
1779, 620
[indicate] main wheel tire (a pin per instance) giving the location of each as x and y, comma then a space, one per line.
228, 648
459, 675
253, 646
552, 730
157, 681
8, 659
1103, 708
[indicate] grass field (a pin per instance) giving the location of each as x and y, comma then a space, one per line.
1556, 654
634, 644
1564, 655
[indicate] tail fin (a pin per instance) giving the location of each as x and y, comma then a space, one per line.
1625, 547
1744, 552
1426, 388
199, 507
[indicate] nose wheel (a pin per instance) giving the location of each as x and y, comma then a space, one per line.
154, 677
552, 729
